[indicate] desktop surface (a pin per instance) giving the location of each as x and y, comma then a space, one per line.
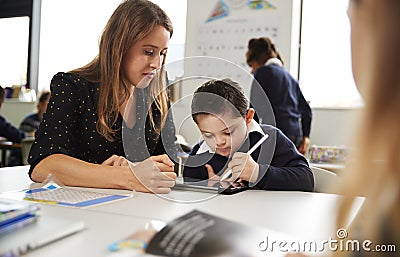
301, 215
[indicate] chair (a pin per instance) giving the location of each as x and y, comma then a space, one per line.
26, 144
325, 180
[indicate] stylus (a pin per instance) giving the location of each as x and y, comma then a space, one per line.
255, 146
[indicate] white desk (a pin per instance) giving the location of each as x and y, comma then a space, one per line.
300, 214
306, 216
101, 230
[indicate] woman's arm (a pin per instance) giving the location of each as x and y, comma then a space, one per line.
74, 172
144, 176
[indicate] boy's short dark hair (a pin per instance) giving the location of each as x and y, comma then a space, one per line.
219, 96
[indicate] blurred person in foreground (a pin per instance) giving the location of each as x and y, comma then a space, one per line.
374, 171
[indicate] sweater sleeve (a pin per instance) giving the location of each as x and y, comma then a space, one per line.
306, 114
288, 169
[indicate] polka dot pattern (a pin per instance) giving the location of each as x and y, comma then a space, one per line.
69, 126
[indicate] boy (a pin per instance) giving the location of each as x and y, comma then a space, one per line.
221, 112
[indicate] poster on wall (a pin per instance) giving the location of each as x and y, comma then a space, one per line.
229, 27
222, 29
217, 35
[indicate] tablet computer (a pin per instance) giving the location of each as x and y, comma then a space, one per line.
194, 175
210, 186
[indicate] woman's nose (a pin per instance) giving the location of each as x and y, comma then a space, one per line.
156, 61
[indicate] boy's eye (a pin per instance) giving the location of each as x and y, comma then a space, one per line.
206, 135
228, 133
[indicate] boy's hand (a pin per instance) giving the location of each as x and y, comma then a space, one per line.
211, 173
214, 179
243, 167
305, 144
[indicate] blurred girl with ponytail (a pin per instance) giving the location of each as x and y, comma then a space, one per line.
292, 112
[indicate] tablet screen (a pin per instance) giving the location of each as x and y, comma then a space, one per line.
211, 186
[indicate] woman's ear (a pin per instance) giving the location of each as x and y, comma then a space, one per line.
249, 115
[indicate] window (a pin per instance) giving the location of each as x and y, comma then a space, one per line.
14, 51
325, 59
15, 22
70, 31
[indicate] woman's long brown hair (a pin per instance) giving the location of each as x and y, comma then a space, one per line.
132, 21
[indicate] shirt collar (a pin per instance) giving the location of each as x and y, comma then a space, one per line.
253, 127
274, 61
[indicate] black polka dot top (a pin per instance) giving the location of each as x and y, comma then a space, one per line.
69, 126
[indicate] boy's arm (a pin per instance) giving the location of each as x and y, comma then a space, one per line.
288, 170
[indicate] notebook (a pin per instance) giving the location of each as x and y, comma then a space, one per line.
16, 214
53, 192
70, 196
46, 226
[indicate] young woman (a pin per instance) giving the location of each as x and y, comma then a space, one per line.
292, 113
374, 171
222, 114
114, 107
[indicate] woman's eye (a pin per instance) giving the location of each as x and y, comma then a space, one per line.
149, 53
207, 135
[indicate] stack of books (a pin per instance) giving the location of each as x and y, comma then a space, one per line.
16, 214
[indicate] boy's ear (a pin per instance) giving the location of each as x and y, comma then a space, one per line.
249, 115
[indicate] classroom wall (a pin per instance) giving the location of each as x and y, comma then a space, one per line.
14, 111
331, 127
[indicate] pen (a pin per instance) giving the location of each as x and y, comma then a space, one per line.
254, 147
21, 250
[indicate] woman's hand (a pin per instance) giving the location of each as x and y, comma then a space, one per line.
155, 174
243, 167
116, 160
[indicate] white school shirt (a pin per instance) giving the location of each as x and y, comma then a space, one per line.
274, 61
